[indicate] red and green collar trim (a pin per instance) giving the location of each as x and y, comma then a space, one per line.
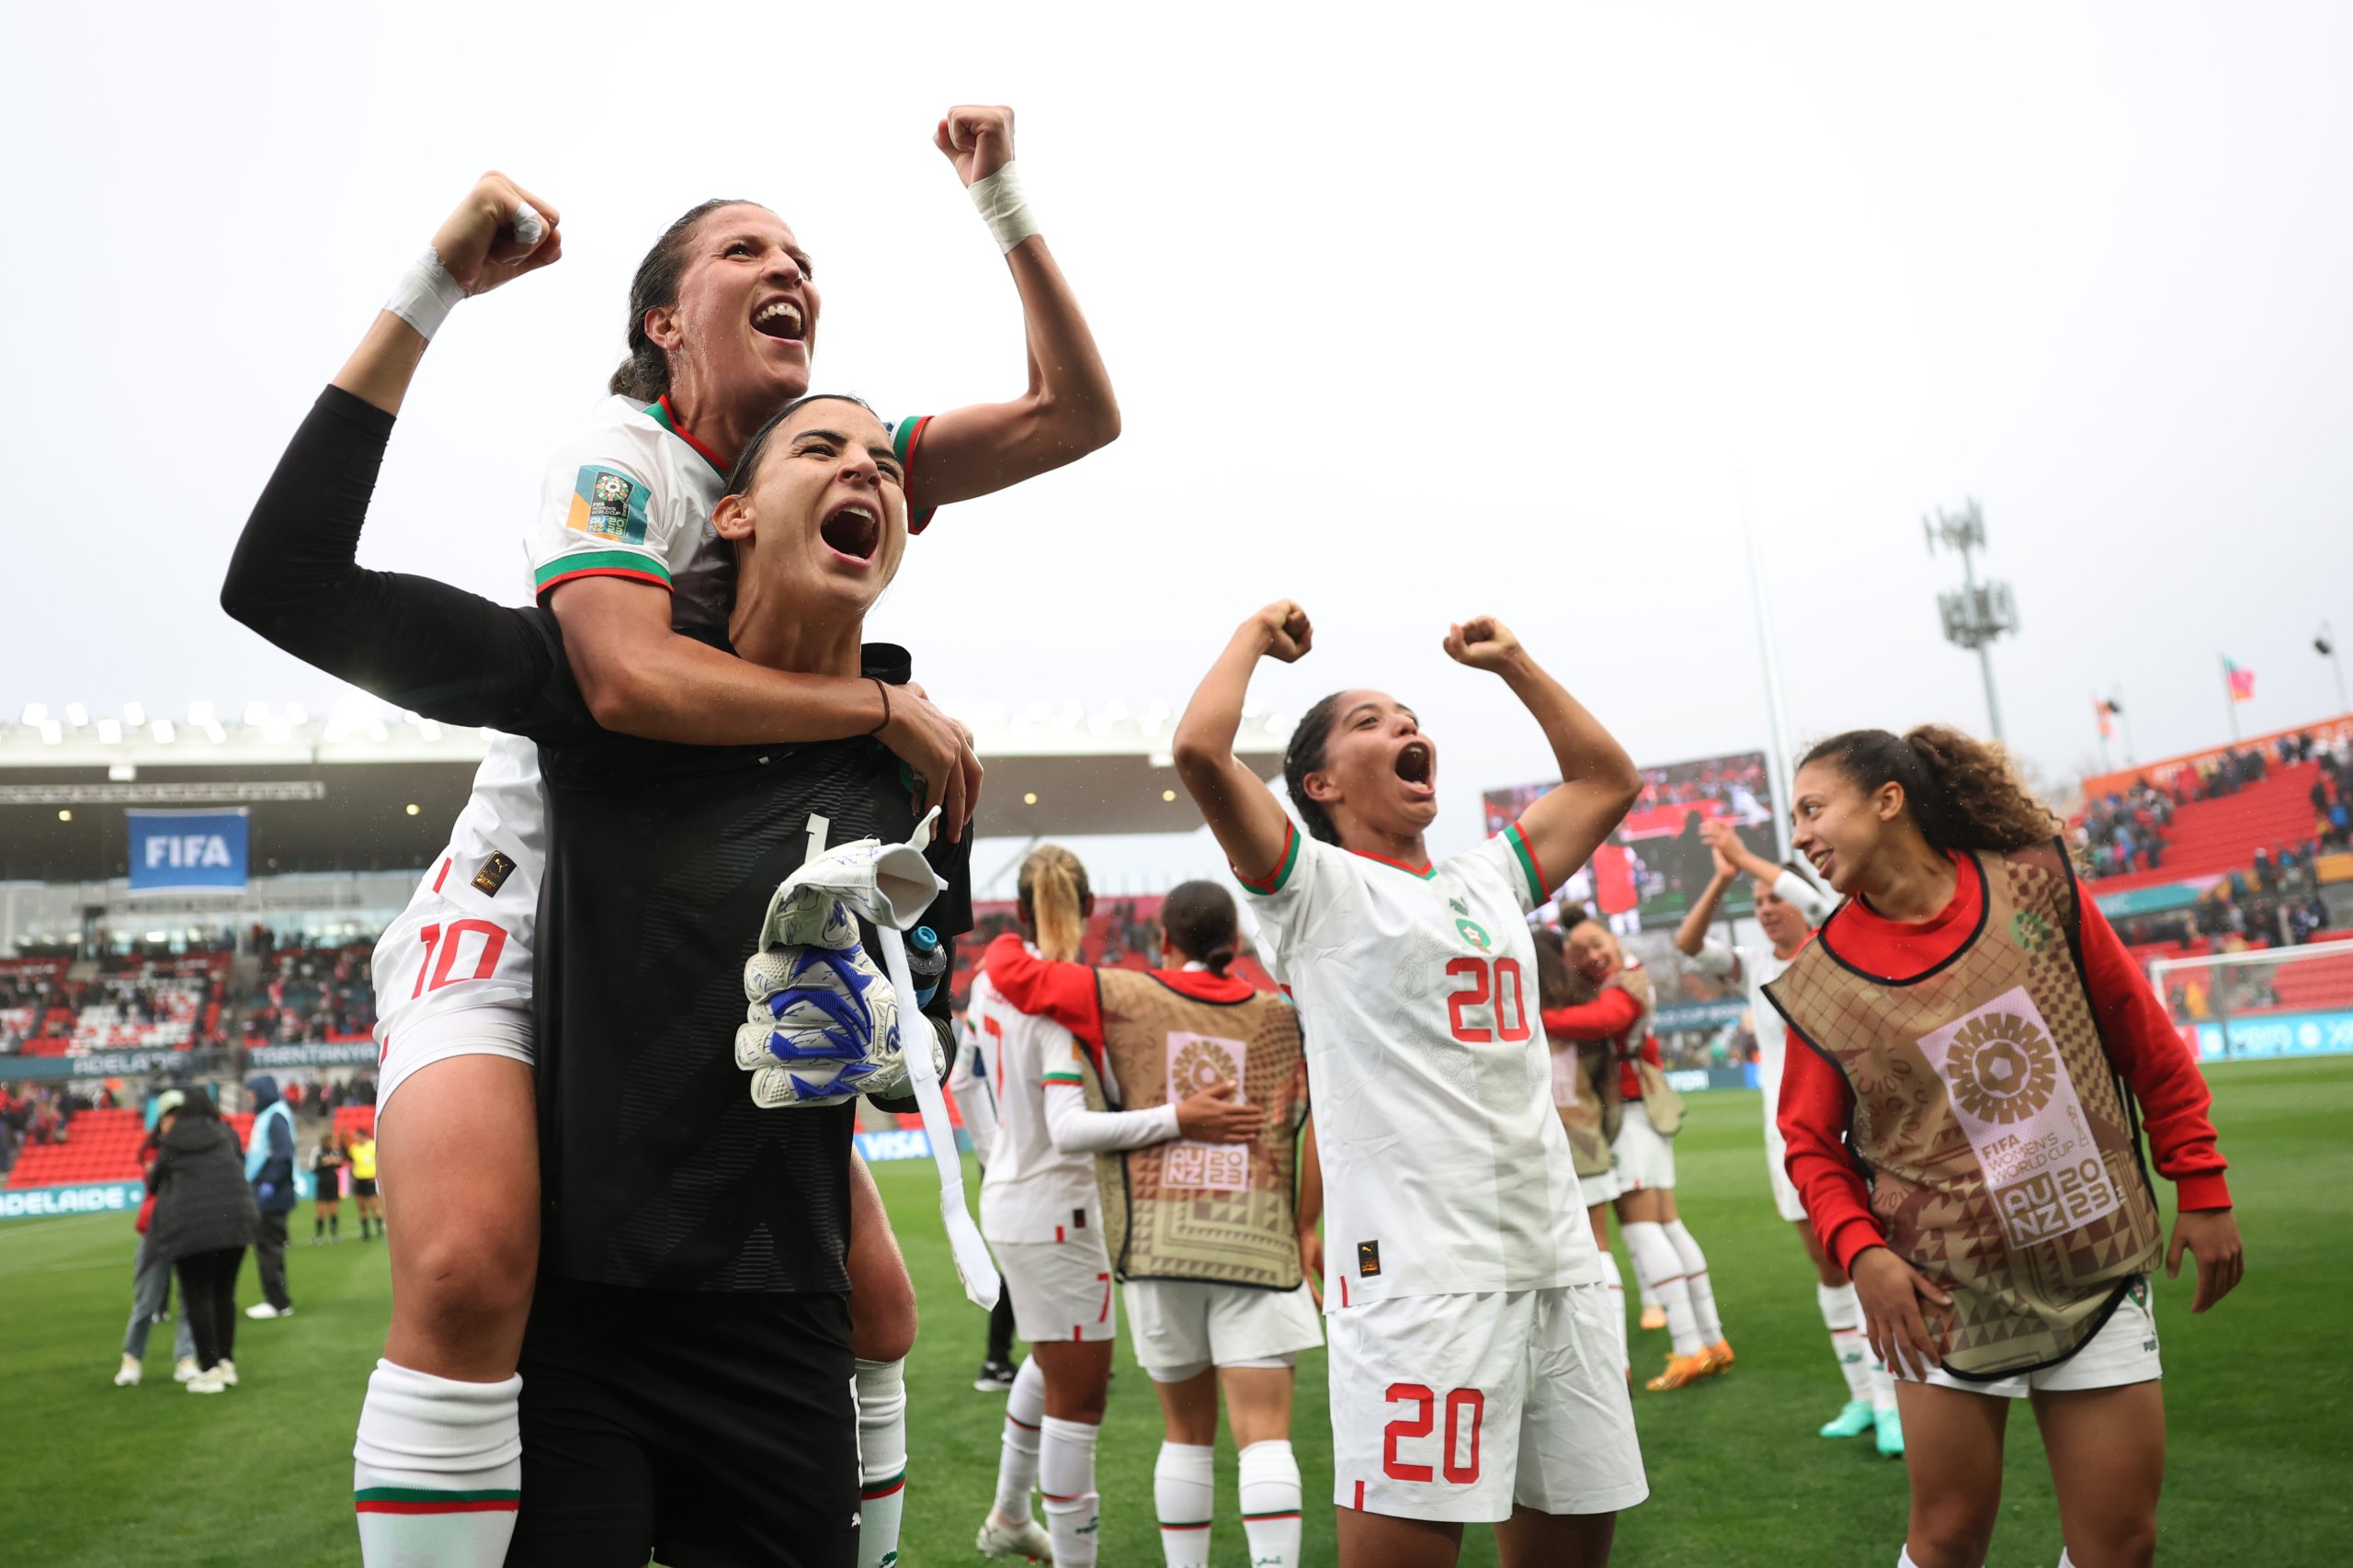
1272, 882
1529, 865
1424, 870
662, 414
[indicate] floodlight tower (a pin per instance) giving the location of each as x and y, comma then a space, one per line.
1978, 612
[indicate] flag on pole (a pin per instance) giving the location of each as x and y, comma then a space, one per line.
2242, 682
2106, 709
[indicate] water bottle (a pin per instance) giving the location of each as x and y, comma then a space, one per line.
926, 961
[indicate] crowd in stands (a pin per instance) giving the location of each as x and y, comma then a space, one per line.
312, 994
2126, 832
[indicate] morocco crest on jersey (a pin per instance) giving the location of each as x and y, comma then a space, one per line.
1183, 1210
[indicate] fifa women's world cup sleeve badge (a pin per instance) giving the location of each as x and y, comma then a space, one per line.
608, 506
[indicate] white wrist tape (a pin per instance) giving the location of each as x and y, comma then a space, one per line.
426, 294
1003, 208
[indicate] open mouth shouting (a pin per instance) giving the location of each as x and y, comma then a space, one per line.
780, 318
853, 529
1416, 768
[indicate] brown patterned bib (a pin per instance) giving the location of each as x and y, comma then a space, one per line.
2001, 1147
1187, 1211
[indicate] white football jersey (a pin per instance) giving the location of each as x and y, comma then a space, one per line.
465, 938
630, 496
1030, 1192
1759, 968
1445, 1166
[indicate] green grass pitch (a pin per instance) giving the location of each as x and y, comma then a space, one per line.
2261, 1442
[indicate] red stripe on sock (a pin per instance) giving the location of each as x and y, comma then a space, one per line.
893, 1490
1052, 1498
506, 1507
1023, 1425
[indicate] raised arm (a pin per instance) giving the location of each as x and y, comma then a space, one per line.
1598, 781
1691, 937
1248, 824
1067, 410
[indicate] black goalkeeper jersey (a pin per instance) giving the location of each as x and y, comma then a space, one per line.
656, 1169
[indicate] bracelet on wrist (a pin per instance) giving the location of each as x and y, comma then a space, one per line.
885, 722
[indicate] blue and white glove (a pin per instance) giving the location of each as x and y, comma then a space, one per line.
824, 1022
824, 1026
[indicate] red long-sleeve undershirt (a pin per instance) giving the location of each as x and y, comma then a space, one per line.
1607, 1017
1065, 992
1818, 1103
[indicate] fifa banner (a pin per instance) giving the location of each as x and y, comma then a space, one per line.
121, 1198
1656, 863
187, 851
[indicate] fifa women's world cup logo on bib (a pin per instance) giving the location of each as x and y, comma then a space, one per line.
2018, 1110
1197, 1062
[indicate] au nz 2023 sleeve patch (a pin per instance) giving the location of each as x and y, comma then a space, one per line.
607, 506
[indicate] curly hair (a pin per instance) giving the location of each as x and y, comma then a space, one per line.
1961, 792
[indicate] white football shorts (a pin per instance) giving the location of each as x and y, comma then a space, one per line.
407, 1041
2124, 1351
1644, 1159
1456, 1407
1786, 1201
1184, 1326
448, 983
1602, 1189
1062, 1290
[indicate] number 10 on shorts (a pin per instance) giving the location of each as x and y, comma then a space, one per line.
1458, 1451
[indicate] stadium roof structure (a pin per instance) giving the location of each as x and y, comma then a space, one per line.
364, 788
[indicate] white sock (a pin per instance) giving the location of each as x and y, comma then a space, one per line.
437, 1472
2066, 1561
1017, 1464
1904, 1557
882, 1460
1271, 1504
1695, 1280
1617, 1283
1184, 1492
1066, 1478
1657, 1267
1882, 1385
1842, 1315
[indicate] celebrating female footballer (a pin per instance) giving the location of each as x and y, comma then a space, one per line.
722, 317
1667, 1260
1976, 1035
1788, 908
1472, 1371
1214, 1282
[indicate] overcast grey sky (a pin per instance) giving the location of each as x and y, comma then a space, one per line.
1413, 314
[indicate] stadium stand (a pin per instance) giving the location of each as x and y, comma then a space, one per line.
100, 1145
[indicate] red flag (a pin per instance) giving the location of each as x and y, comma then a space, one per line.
2099, 706
2242, 682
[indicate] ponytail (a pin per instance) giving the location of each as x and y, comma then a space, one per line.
1199, 921
1961, 792
1054, 896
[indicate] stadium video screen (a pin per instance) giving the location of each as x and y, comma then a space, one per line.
1656, 863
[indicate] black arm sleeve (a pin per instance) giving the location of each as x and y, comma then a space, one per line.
449, 654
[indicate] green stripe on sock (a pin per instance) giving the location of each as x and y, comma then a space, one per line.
424, 1494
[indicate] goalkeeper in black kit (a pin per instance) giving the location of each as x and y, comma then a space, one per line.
687, 1373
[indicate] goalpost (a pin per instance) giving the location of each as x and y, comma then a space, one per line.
2265, 1003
